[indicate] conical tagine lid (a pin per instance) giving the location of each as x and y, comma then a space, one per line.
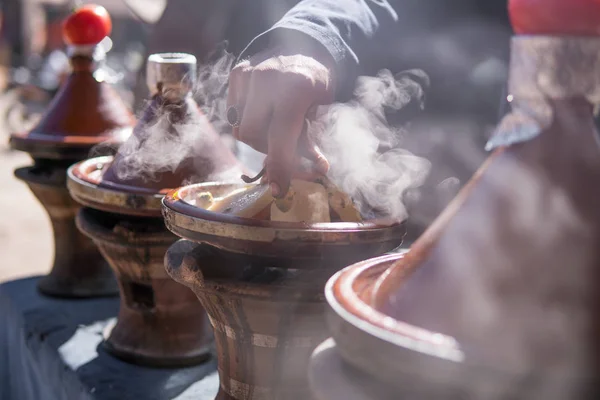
173, 143
510, 267
86, 111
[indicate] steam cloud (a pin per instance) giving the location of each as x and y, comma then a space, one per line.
158, 147
352, 136
165, 143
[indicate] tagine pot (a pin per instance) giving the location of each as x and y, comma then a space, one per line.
499, 297
261, 283
85, 116
160, 322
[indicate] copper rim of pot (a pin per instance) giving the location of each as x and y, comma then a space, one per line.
342, 295
86, 186
394, 347
272, 239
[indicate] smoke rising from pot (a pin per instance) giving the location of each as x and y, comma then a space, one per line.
352, 136
166, 137
363, 149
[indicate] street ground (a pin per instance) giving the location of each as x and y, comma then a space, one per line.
26, 246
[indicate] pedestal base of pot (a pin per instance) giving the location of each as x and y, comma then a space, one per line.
79, 270
267, 321
135, 348
100, 283
160, 322
332, 379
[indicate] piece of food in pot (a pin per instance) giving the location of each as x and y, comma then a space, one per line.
305, 202
203, 199
246, 203
286, 203
341, 204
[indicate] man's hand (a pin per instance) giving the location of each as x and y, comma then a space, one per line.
275, 92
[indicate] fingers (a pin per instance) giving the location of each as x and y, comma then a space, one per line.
272, 95
301, 171
286, 139
286, 126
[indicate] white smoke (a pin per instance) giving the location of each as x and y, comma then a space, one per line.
160, 145
166, 141
351, 136
211, 88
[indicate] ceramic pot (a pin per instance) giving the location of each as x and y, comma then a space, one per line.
262, 284
86, 115
160, 322
78, 271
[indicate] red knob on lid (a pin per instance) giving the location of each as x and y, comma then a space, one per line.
88, 25
555, 17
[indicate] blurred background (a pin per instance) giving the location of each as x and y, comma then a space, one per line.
32, 64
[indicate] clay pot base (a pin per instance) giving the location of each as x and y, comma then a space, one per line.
160, 322
267, 321
331, 378
130, 356
79, 270
412, 362
383, 347
101, 284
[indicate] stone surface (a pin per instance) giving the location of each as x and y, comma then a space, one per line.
50, 350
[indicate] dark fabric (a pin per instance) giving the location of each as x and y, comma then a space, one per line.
461, 44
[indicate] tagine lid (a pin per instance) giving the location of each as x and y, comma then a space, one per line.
382, 347
462, 302
553, 20
86, 111
172, 144
406, 358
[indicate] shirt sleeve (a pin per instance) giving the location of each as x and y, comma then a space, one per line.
344, 28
